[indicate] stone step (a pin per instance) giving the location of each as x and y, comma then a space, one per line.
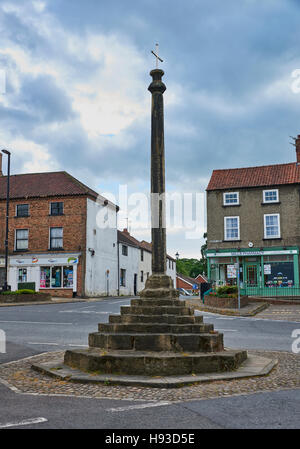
155, 302
204, 342
152, 364
156, 319
161, 310
155, 328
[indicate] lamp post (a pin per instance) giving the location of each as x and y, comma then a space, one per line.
177, 255
5, 287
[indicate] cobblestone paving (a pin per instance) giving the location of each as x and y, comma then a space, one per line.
285, 376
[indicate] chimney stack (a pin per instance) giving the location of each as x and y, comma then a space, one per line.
1, 173
297, 141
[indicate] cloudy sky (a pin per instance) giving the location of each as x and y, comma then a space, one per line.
76, 97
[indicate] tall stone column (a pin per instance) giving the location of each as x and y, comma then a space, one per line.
158, 210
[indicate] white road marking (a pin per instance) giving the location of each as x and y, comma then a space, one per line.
84, 311
36, 322
227, 330
26, 422
137, 407
55, 344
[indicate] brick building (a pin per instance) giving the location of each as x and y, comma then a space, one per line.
55, 240
253, 222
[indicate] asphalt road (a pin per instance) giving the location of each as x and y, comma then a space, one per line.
35, 329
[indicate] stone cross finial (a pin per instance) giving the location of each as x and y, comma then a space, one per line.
156, 55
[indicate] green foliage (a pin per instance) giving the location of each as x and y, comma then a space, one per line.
226, 291
20, 292
191, 267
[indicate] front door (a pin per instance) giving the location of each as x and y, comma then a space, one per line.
135, 284
2, 277
251, 274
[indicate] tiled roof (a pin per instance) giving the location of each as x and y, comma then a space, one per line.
125, 237
188, 279
266, 175
36, 185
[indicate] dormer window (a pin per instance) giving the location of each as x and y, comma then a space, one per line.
231, 198
270, 196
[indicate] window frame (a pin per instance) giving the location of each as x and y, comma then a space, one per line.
265, 227
272, 201
231, 204
123, 278
59, 214
22, 216
225, 229
124, 250
50, 238
16, 239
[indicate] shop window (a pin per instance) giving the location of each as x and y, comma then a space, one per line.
270, 196
22, 210
22, 275
271, 226
57, 277
21, 239
279, 274
230, 198
232, 228
56, 238
45, 277
57, 208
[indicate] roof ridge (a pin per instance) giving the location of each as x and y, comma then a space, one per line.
256, 166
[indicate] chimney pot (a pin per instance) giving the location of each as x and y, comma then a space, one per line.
298, 149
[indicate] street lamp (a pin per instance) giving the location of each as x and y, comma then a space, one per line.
177, 255
5, 287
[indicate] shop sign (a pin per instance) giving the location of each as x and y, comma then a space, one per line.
267, 269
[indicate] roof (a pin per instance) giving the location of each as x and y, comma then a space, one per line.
201, 278
187, 279
37, 185
266, 175
125, 237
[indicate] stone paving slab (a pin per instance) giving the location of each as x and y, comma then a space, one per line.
253, 366
250, 310
21, 378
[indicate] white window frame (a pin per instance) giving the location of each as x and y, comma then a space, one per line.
231, 204
272, 201
16, 231
265, 227
56, 227
225, 229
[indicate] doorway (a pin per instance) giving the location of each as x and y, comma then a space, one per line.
2, 277
135, 284
252, 274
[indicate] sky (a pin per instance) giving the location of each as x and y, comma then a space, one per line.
76, 98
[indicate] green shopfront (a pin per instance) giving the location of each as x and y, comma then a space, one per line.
263, 272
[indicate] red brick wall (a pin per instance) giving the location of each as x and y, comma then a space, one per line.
39, 221
182, 284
